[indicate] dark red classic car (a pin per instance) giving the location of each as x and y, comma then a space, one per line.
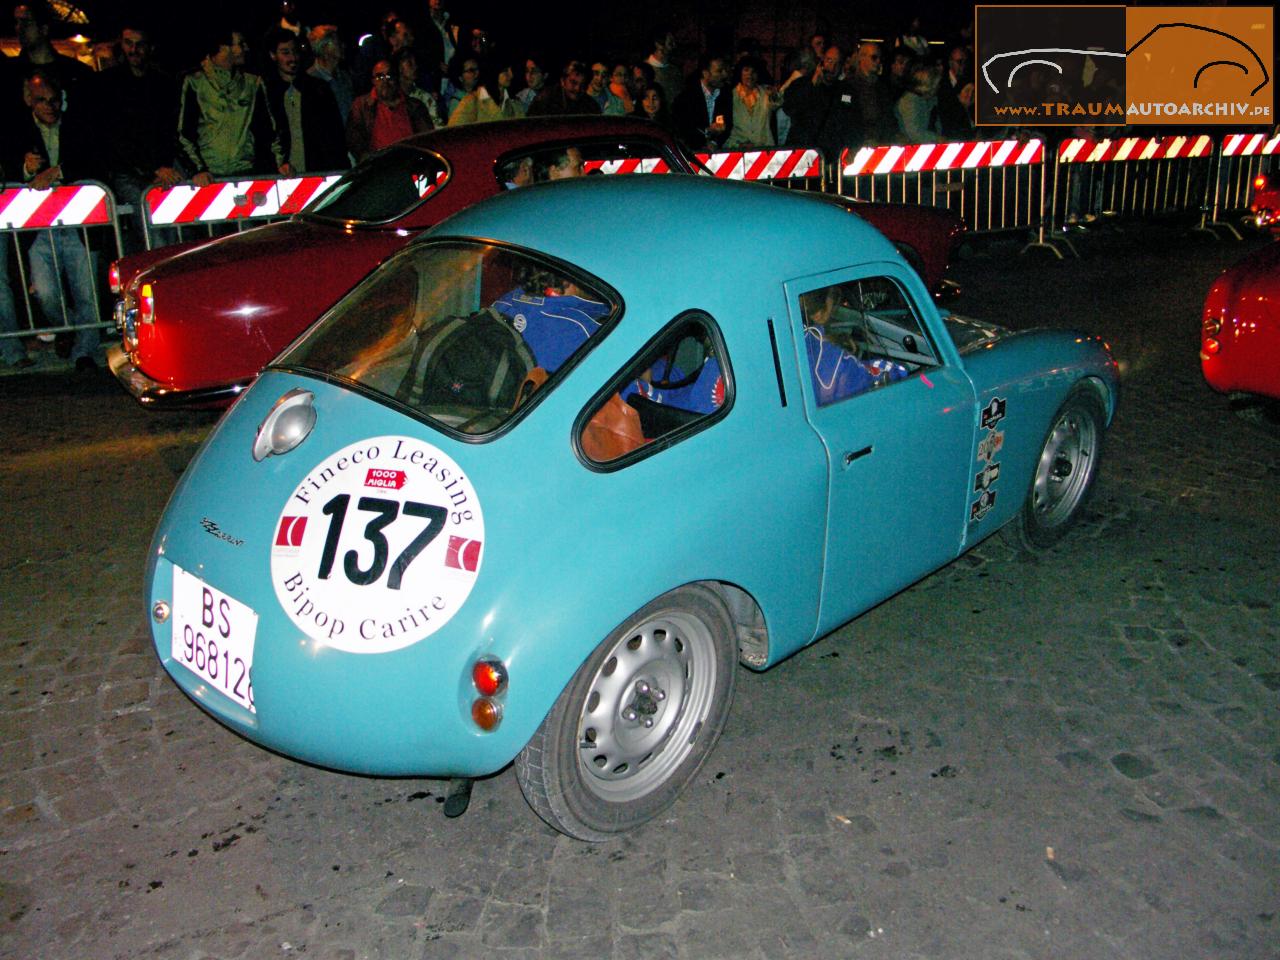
1240, 331
199, 320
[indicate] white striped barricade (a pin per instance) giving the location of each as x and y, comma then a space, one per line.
238, 202
1241, 157
992, 185
1145, 176
83, 206
786, 166
626, 165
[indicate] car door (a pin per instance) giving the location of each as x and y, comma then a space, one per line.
886, 393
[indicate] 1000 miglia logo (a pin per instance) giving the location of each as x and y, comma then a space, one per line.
379, 545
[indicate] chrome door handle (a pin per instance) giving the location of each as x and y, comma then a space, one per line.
853, 455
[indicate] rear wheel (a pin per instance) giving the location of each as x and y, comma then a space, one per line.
1064, 473
637, 721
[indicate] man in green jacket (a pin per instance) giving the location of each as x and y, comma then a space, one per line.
225, 127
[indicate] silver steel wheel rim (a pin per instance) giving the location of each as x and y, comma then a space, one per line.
1065, 468
645, 707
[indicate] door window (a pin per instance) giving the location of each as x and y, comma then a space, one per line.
861, 335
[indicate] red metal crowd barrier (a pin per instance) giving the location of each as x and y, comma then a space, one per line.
232, 201
83, 206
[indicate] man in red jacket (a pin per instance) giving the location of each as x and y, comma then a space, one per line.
384, 115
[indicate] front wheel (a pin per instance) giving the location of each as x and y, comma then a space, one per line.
637, 720
1064, 473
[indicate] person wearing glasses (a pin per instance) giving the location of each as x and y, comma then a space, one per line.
462, 78
384, 115
491, 99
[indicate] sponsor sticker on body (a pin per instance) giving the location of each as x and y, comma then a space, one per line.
379, 546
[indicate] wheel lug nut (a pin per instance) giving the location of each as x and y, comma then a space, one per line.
648, 723
629, 714
660, 695
642, 688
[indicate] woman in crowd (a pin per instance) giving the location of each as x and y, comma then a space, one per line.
620, 88
464, 73
753, 108
652, 105
642, 76
491, 99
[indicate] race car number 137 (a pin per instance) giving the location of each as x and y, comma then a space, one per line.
379, 546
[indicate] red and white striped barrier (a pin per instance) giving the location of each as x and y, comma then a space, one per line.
422, 183
922, 157
1249, 144
79, 205
629, 165
729, 165
237, 200
1081, 150
763, 164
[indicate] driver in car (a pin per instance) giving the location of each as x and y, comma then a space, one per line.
836, 372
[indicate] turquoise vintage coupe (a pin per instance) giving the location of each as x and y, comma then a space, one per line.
535, 487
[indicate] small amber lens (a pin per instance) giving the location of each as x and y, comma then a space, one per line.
485, 713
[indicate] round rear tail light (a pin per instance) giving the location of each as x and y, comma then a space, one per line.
489, 677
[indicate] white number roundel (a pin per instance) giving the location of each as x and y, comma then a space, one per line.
379, 546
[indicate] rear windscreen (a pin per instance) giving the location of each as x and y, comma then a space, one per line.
384, 187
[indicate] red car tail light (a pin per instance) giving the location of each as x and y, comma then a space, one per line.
113, 276
1216, 305
489, 677
1260, 181
146, 304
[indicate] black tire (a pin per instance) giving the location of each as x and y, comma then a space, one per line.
1064, 474
637, 721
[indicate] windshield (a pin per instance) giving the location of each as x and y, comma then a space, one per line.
460, 333
384, 187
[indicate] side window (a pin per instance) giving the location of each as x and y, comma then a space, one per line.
676, 386
861, 335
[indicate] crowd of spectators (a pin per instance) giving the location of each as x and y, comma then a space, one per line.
302, 99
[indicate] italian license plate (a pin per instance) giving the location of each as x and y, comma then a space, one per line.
213, 636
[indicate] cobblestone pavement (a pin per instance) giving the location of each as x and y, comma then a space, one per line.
1076, 757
